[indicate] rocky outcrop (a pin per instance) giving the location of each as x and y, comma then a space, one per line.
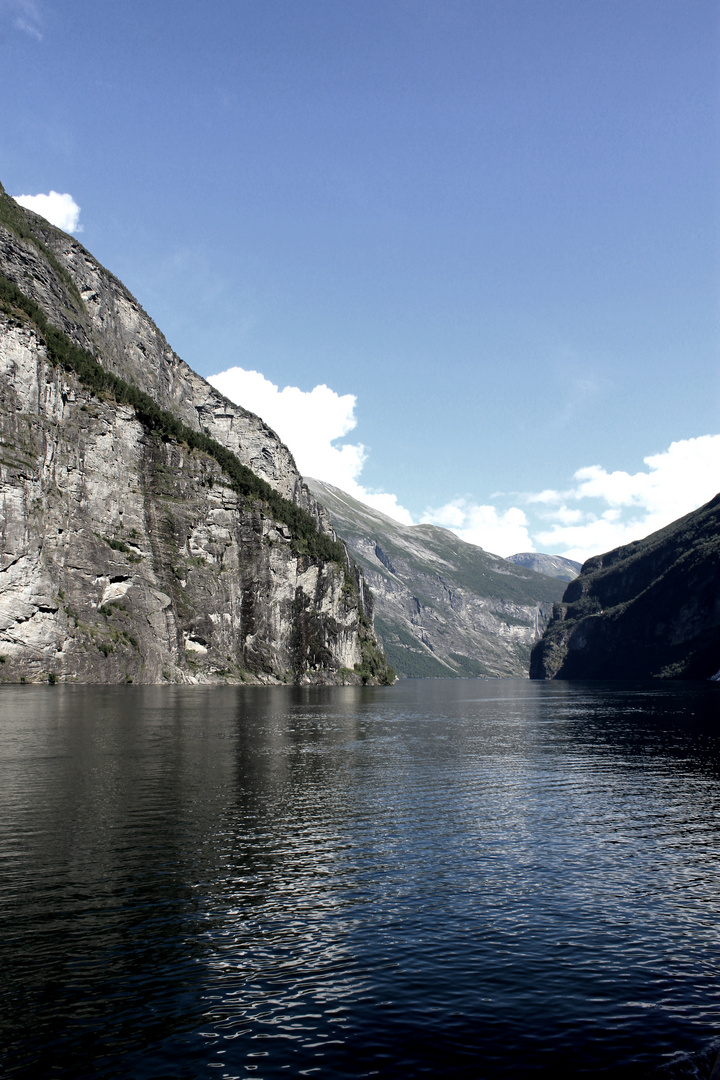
649, 609
444, 608
125, 555
550, 565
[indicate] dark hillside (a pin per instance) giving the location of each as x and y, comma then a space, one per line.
648, 609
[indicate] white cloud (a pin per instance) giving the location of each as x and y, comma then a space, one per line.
500, 532
564, 515
600, 511
628, 506
60, 210
310, 423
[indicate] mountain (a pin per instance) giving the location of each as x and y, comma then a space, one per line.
551, 565
649, 609
150, 530
443, 608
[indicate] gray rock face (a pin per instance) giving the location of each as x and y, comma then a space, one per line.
110, 321
443, 608
124, 556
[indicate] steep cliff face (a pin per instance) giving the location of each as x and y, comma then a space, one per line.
444, 608
99, 314
125, 554
649, 609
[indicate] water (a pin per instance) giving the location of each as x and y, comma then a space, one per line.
462, 879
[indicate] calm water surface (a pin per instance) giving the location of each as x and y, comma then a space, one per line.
461, 878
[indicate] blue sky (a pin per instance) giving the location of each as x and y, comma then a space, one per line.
489, 228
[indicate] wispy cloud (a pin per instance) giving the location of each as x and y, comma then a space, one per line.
60, 210
23, 15
311, 423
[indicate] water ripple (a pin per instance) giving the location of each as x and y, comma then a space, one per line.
471, 879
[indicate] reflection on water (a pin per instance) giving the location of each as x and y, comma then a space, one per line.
462, 878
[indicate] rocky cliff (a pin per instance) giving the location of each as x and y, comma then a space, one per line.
149, 529
444, 608
649, 609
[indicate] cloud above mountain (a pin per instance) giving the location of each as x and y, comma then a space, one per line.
503, 532
311, 422
598, 511
59, 210
602, 509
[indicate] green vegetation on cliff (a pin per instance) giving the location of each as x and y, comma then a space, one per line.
62, 352
14, 219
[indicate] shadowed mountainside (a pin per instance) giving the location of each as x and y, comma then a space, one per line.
648, 609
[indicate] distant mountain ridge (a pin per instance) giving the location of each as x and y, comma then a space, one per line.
443, 608
551, 565
648, 609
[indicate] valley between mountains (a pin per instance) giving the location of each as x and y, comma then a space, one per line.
151, 531
444, 608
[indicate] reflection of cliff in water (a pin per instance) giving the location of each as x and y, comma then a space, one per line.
661, 725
